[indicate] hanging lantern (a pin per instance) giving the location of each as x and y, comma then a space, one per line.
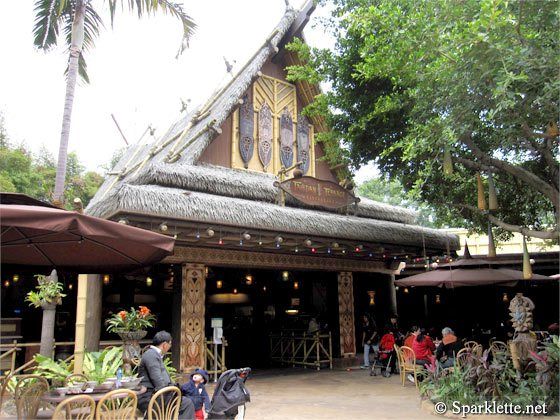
106, 279
505, 298
149, 281
249, 279
296, 285
491, 245
15, 278
371, 294
406, 289
447, 162
481, 199
438, 299
492, 197
527, 271
219, 284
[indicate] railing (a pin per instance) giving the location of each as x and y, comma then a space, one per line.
299, 348
221, 355
10, 352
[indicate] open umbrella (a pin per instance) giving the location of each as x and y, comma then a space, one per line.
40, 237
460, 277
44, 237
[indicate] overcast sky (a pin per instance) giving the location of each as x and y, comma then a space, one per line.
133, 71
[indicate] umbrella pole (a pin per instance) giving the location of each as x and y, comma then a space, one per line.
80, 324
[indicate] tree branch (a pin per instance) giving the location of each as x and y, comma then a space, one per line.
519, 22
542, 234
518, 172
544, 150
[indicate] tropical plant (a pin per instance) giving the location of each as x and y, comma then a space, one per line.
547, 365
80, 23
133, 320
435, 92
48, 295
98, 366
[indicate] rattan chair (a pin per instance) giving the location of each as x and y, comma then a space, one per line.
463, 357
119, 404
29, 400
498, 347
164, 404
470, 344
4, 388
477, 350
75, 377
25, 381
79, 407
407, 363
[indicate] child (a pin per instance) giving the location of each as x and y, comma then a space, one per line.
195, 390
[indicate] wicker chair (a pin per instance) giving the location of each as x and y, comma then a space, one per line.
463, 357
119, 404
79, 407
407, 363
25, 381
470, 344
498, 347
164, 404
29, 400
75, 377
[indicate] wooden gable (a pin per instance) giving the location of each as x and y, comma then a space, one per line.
285, 100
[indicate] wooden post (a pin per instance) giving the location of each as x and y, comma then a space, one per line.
80, 324
193, 294
93, 312
346, 314
392, 295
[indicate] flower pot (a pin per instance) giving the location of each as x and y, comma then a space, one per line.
131, 348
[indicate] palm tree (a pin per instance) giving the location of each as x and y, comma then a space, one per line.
80, 23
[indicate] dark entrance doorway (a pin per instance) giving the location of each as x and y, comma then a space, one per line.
255, 303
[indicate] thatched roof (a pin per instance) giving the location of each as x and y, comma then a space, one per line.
152, 179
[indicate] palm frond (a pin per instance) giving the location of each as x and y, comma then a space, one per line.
48, 14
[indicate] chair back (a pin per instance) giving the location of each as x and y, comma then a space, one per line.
28, 402
408, 355
470, 344
462, 358
26, 381
477, 350
119, 404
75, 377
164, 404
4, 387
498, 347
79, 407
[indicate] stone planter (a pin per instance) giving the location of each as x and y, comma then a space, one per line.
131, 348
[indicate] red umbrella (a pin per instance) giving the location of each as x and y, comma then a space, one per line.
43, 237
460, 277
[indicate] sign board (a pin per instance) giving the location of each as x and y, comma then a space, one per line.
317, 192
217, 322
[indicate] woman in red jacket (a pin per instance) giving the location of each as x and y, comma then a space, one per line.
423, 347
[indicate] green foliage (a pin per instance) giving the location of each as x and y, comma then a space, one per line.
482, 380
412, 78
98, 366
23, 172
49, 292
170, 369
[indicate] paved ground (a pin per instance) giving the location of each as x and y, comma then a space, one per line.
296, 394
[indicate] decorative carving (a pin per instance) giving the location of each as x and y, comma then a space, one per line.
233, 258
286, 138
521, 312
346, 314
265, 135
192, 317
303, 143
246, 128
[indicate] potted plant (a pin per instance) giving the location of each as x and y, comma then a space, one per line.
48, 295
131, 326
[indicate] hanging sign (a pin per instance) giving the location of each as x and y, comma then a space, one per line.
317, 192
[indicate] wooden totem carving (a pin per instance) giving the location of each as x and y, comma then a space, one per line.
246, 128
346, 314
521, 312
193, 296
303, 143
286, 139
265, 135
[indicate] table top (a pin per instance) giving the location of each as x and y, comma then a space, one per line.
53, 396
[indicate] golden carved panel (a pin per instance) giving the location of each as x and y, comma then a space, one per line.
346, 314
250, 259
193, 295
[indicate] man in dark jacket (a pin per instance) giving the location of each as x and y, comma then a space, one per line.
155, 376
448, 348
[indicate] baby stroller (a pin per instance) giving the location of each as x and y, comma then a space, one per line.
230, 395
384, 356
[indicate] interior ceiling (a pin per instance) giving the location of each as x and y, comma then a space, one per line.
234, 237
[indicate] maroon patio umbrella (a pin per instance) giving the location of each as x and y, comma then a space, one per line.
460, 277
43, 237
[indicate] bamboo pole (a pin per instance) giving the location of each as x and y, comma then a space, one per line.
80, 324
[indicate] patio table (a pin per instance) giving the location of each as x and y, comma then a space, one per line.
55, 397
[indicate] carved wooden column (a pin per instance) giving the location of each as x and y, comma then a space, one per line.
392, 295
193, 294
346, 314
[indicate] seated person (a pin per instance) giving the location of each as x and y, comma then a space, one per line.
155, 376
410, 337
448, 348
423, 347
